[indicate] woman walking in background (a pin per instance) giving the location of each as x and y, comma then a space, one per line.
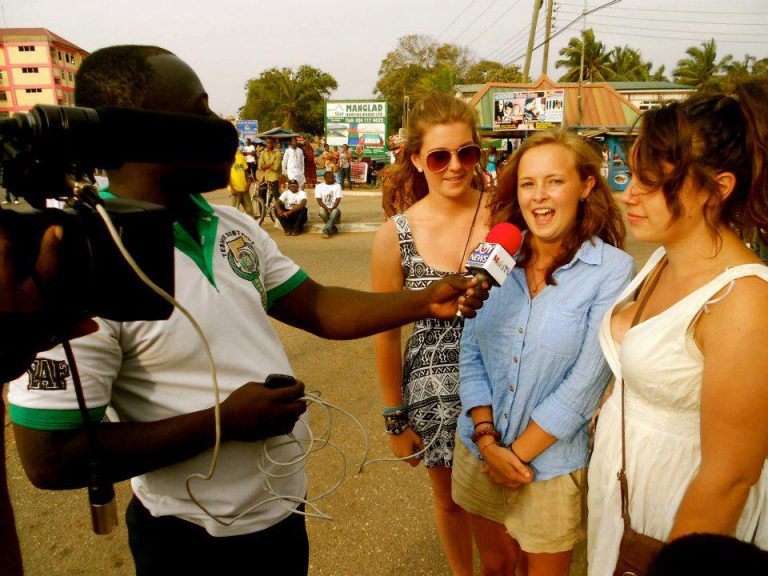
532, 372
429, 241
691, 394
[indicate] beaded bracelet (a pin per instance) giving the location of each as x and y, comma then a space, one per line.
395, 421
490, 431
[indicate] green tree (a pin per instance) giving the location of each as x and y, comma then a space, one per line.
419, 64
701, 68
490, 71
596, 59
287, 97
441, 78
760, 67
626, 64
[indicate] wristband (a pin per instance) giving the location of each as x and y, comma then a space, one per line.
484, 422
490, 431
518, 457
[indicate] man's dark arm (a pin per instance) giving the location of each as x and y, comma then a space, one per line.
59, 459
322, 205
343, 314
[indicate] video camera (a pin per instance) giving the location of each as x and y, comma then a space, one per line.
47, 153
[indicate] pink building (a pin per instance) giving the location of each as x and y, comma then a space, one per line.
36, 67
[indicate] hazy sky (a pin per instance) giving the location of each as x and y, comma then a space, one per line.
230, 41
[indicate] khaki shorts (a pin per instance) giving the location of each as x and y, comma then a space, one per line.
543, 517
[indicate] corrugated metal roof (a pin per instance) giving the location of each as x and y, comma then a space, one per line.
22, 34
649, 86
602, 105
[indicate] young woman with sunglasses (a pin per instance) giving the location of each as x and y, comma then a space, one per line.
531, 368
438, 177
693, 364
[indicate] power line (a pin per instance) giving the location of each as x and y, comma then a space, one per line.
503, 47
707, 32
498, 19
523, 42
564, 28
664, 10
719, 40
456, 19
681, 21
475, 20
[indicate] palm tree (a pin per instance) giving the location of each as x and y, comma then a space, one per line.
595, 59
701, 68
626, 64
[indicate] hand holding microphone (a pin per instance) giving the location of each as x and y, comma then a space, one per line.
491, 261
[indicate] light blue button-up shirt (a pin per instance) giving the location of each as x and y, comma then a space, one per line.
540, 358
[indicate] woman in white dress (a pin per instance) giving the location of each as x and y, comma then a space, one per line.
695, 368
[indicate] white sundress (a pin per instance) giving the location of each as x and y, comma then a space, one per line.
662, 369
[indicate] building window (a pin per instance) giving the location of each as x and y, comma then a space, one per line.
59, 54
33, 90
73, 58
34, 70
26, 48
3, 97
67, 58
5, 114
70, 76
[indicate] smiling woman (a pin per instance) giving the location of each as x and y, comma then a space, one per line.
412, 250
530, 365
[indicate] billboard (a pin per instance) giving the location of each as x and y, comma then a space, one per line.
360, 124
247, 129
538, 110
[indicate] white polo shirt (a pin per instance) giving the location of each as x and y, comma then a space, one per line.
148, 371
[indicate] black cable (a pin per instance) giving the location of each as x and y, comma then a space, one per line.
101, 492
495, 22
457, 17
475, 20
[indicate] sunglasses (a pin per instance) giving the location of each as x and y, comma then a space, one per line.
438, 160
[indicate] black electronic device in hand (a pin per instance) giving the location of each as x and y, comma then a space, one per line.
279, 381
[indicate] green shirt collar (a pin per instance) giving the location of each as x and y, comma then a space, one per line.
206, 222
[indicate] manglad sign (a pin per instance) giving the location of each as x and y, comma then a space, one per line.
360, 124
539, 110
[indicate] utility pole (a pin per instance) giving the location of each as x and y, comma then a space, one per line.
548, 33
536, 7
581, 65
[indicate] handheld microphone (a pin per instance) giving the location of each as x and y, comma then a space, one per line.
491, 260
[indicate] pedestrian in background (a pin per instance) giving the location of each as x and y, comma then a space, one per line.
270, 165
345, 161
239, 194
292, 209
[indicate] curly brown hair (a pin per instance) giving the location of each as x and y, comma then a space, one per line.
704, 136
598, 215
401, 179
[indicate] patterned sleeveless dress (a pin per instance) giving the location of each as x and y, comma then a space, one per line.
429, 396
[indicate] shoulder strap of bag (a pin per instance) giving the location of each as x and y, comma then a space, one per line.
642, 300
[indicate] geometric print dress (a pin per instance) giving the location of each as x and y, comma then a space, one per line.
429, 396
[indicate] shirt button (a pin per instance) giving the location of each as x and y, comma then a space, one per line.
520, 330
511, 388
515, 359
506, 415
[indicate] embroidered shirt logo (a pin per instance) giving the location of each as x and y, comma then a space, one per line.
48, 374
240, 252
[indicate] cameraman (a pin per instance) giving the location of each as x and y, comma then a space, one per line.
155, 376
